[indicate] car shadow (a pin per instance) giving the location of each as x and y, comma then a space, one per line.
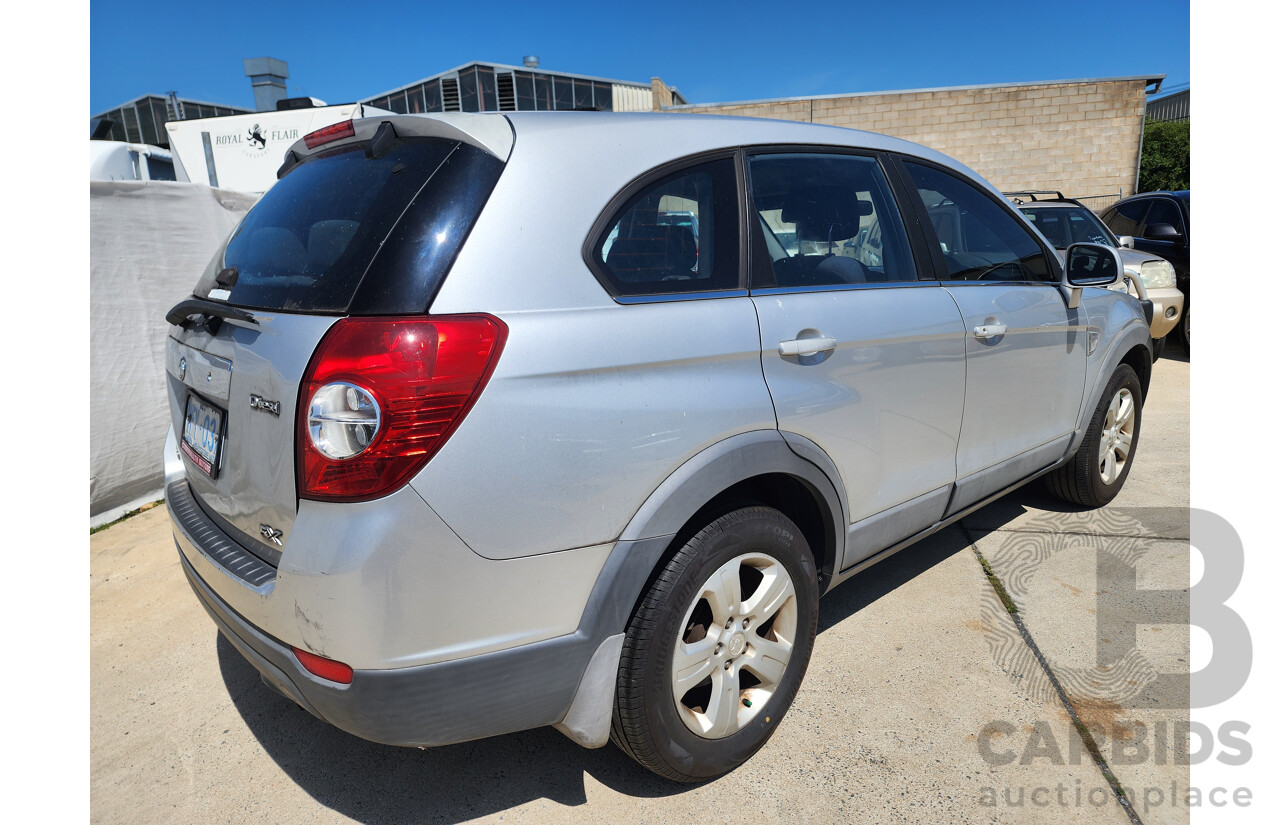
381, 784
1175, 351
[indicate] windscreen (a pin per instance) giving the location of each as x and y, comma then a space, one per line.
1063, 226
311, 243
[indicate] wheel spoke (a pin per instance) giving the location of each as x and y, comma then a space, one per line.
692, 663
722, 712
767, 660
1113, 411
1125, 413
1124, 441
1109, 466
774, 590
724, 592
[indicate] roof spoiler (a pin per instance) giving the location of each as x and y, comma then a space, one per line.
491, 133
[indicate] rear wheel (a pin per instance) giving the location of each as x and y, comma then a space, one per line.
1097, 471
716, 650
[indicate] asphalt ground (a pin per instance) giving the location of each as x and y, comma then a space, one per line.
926, 700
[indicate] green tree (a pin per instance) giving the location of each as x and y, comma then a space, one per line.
1166, 156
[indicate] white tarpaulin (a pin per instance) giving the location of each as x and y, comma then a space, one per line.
149, 243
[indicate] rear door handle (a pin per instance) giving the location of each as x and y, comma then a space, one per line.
989, 331
806, 346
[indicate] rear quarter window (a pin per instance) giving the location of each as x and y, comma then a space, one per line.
677, 235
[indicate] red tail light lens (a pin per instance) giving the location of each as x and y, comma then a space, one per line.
338, 131
324, 668
423, 372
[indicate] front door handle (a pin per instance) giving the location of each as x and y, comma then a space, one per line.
806, 346
989, 331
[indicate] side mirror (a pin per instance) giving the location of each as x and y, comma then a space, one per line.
1126, 241
1092, 264
1162, 232
1089, 264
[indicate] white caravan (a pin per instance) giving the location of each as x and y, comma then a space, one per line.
114, 160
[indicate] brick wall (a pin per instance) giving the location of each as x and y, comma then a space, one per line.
1080, 137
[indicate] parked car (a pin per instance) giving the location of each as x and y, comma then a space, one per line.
1160, 222
1064, 221
442, 467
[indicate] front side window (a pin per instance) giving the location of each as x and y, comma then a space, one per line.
1164, 210
828, 220
978, 239
677, 235
1125, 218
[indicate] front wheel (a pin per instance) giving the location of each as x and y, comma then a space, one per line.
716, 650
1096, 473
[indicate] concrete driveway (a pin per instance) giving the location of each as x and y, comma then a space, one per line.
926, 700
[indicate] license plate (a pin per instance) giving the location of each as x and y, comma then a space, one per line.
202, 435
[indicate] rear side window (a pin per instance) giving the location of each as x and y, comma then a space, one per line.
678, 235
322, 238
828, 220
978, 239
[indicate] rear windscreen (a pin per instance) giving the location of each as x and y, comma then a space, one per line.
347, 232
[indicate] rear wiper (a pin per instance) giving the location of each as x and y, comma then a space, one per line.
210, 314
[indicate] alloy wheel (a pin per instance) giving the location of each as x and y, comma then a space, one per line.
1117, 436
736, 640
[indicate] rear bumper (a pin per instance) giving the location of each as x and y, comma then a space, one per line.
504, 644
439, 704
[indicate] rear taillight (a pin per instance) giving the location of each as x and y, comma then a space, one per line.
338, 131
382, 395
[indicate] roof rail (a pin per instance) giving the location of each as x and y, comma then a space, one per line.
1017, 196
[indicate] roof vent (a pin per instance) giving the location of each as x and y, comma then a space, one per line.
531, 61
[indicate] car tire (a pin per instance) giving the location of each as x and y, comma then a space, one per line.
1183, 329
1099, 468
737, 606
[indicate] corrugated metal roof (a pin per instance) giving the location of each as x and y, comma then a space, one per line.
504, 67
184, 100
1174, 107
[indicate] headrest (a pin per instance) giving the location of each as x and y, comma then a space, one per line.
831, 214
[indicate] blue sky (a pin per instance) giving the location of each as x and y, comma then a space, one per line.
713, 52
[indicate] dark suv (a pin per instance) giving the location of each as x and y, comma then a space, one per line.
1160, 222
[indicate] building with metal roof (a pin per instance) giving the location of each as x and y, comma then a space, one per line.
1172, 107
142, 120
495, 87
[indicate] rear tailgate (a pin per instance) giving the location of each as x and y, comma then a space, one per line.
360, 226
249, 377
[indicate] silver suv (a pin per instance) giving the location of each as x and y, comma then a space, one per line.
489, 422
